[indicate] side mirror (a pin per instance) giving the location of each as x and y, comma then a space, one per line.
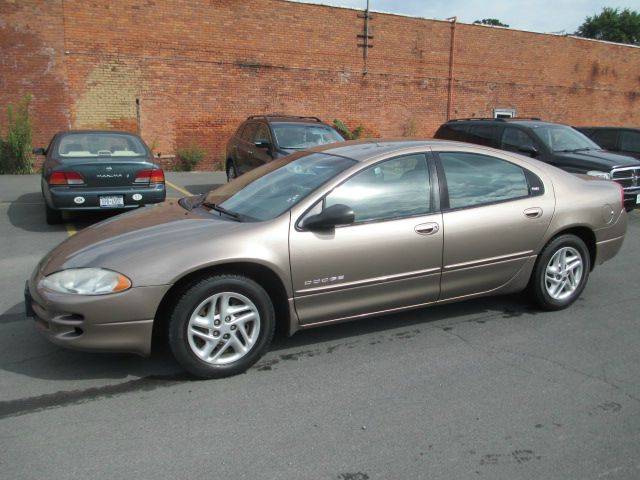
39, 151
329, 218
529, 150
262, 144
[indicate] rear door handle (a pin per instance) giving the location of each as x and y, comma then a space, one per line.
427, 228
534, 212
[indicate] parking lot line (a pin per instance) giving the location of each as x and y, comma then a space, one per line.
180, 189
71, 229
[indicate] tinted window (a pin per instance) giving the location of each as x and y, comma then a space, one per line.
249, 132
262, 133
607, 139
453, 131
395, 188
515, 140
630, 141
474, 179
485, 135
100, 145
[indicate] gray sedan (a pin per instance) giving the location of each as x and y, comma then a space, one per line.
337, 233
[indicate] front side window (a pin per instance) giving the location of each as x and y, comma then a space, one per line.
607, 139
515, 140
474, 179
395, 188
100, 145
262, 134
485, 135
630, 142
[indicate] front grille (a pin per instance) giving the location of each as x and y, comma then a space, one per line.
628, 177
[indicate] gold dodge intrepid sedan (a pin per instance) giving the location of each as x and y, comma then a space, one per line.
336, 233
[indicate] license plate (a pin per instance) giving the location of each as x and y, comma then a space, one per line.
112, 201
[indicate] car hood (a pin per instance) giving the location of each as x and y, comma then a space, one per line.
157, 244
596, 159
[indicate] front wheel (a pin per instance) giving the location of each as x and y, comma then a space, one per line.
221, 326
231, 171
560, 273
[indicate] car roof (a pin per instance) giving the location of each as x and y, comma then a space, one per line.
109, 132
286, 118
365, 149
525, 122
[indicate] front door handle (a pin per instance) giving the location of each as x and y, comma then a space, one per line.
534, 212
427, 228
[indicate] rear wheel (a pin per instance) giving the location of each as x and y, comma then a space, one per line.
54, 217
221, 326
561, 273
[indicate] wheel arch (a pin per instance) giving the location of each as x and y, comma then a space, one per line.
583, 233
261, 274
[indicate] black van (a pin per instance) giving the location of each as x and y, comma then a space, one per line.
553, 143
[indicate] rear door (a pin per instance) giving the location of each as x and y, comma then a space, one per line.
494, 218
388, 259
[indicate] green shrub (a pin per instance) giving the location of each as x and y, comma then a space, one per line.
189, 157
15, 150
354, 134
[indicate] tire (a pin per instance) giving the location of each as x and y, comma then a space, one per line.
231, 170
210, 344
553, 286
54, 217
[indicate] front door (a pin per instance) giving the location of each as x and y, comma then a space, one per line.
389, 258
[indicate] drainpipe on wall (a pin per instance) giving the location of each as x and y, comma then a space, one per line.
454, 24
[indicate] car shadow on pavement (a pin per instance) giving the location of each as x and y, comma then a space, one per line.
27, 213
198, 189
44, 360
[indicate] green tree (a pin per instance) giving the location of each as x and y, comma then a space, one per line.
612, 25
15, 150
491, 21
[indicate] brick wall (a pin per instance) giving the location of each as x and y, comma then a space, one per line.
182, 72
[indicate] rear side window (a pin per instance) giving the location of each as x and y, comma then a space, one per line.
453, 131
487, 135
607, 139
262, 133
474, 179
392, 189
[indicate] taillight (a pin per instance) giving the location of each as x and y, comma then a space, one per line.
150, 176
66, 178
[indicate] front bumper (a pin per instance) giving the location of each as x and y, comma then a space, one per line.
66, 197
120, 322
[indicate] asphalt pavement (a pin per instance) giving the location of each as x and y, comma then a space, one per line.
490, 388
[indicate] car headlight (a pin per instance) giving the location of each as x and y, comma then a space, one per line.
599, 174
86, 281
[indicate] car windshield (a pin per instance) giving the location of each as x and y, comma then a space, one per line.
299, 136
268, 191
87, 145
560, 138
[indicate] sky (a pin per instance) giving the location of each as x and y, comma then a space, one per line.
544, 16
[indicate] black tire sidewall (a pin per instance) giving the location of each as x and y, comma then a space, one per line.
231, 166
195, 294
539, 291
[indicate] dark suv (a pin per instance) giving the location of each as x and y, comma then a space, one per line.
262, 138
553, 143
615, 139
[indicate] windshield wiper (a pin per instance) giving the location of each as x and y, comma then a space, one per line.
220, 209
